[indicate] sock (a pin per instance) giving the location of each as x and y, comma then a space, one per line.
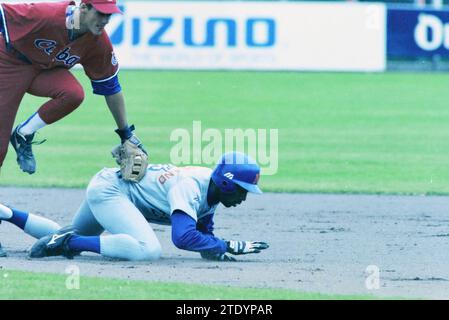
19, 218
83, 243
33, 124
5, 212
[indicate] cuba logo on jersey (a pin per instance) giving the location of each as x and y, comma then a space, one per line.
67, 58
46, 45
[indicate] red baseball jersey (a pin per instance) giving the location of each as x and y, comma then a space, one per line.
40, 33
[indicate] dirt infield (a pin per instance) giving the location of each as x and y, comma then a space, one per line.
319, 243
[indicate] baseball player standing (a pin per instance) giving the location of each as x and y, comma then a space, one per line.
183, 197
39, 43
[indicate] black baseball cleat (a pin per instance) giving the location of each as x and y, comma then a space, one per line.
55, 245
22, 144
2, 252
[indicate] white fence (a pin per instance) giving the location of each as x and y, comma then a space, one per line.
250, 35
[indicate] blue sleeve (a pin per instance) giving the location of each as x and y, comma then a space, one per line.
206, 224
186, 236
106, 87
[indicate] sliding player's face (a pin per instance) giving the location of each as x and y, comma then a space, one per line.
232, 199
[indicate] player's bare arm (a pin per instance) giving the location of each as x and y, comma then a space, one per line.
116, 104
130, 155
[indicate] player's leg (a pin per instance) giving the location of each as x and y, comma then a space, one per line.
66, 95
15, 78
85, 223
87, 231
132, 238
34, 225
81, 235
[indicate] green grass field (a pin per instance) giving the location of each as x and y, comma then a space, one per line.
29, 285
338, 132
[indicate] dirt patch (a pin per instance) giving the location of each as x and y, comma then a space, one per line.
318, 243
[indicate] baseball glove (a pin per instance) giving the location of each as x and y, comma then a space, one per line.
132, 159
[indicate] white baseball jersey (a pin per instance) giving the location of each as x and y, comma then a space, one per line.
164, 189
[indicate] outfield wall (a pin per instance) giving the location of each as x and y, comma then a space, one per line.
417, 33
250, 36
274, 35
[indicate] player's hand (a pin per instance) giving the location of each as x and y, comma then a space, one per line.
130, 155
245, 247
216, 256
127, 134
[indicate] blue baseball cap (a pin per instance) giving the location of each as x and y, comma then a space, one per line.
236, 168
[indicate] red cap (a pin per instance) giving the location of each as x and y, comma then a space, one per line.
104, 6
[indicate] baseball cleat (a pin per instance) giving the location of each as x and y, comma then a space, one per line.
2, 251
54, 245
22, 145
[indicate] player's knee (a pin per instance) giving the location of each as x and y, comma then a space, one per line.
148, 252
74, 97
153, 251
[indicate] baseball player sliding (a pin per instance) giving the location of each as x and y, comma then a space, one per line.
39, 43
183, 197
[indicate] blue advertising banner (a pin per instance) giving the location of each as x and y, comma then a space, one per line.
417, 33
